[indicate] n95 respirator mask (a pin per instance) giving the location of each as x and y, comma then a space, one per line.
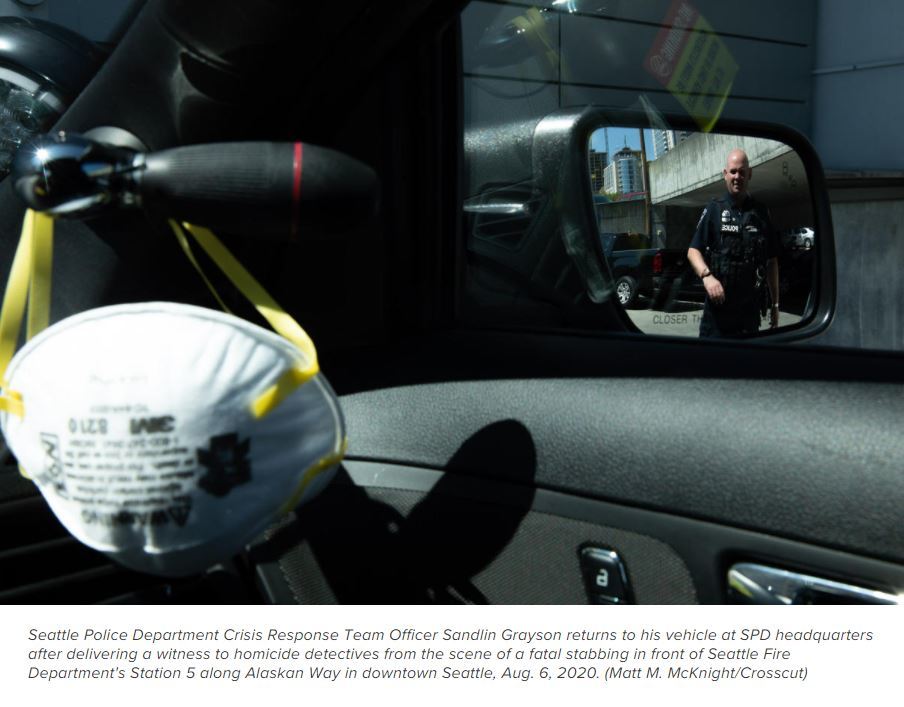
167, 435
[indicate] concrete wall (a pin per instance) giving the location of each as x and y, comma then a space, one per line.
857, 80
621, 217
698, 162
672, 226
869, 244
858, 108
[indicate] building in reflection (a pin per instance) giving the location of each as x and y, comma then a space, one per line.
597, 168
624, 175
667, 140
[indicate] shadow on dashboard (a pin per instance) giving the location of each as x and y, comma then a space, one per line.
352, 546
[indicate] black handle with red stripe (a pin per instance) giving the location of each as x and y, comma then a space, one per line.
266, 189
259, 188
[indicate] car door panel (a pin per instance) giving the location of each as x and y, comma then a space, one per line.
365, 541
682, 476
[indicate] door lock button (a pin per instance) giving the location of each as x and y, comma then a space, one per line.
604, 576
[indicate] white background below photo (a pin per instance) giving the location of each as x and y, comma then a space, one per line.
446, 655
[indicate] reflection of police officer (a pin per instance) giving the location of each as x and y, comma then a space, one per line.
735, 252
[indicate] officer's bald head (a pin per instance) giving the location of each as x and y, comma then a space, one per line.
737, 173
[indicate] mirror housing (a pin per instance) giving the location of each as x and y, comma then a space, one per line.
549, 160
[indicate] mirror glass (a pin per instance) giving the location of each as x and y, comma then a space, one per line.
745, 204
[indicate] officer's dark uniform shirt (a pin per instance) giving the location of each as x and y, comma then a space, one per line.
736, 243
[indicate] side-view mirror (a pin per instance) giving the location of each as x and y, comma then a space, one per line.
594, 218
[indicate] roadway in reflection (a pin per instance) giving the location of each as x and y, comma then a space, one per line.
684, 320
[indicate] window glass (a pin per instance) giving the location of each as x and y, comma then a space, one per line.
706, 63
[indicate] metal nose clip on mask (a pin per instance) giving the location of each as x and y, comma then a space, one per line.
165, 435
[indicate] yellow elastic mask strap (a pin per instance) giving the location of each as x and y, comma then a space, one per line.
41, 274
15, 299
282, 323
285, 385
11, 402
186, 248
28, 287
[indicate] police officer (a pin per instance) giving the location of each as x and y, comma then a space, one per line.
735, 252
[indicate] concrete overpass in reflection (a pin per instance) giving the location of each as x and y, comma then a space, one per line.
684, 179
690, 175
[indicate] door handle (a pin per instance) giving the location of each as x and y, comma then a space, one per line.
752, 583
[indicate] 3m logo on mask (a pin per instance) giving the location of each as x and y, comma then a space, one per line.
151, 425
227, 464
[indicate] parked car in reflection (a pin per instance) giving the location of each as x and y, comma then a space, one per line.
799, 238
630, 260
674, 280
649, 277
